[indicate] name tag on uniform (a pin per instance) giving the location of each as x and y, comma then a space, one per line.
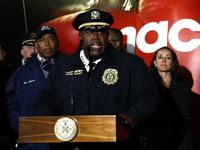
75, 72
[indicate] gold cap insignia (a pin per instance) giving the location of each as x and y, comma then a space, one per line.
32, 35
95, 14
110, 76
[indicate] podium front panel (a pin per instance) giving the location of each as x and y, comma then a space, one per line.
91, 128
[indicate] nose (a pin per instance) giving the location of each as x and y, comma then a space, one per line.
163, 59
95, 35
33, 49
46, 41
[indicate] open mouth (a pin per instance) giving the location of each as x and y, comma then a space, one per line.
95, 46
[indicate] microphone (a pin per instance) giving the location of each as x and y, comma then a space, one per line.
5, 142
88, 51
71, 111
91, 65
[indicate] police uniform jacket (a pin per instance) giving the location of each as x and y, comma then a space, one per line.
21, 92
120, 84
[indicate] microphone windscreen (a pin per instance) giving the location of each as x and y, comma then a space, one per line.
4, 141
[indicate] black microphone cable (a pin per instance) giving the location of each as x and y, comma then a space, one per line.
89, 79
71, 111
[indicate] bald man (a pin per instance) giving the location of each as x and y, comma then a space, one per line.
115, 37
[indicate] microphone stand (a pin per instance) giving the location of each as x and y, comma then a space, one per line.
89, 80
71, 111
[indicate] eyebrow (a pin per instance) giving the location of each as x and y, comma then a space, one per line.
113, 40
47, 37
166, 55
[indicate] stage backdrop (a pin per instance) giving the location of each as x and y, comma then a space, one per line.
155, 24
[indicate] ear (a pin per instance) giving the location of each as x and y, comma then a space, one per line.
155, 63
80, 36
36, 45
118, 45
22, 52
173, 64
4, 54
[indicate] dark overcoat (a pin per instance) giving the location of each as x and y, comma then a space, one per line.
168, 127
119, 84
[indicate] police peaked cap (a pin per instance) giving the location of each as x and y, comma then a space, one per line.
27, 39
94, 19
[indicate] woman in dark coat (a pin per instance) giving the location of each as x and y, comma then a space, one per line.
168, 127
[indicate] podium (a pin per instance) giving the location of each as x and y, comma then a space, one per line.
57, 129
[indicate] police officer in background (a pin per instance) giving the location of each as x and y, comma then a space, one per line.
117, 83
27, 80
27, 44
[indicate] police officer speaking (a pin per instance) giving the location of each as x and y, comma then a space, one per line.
118, 84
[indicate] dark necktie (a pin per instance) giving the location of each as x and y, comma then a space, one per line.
91, 65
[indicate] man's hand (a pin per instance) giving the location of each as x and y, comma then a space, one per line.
126, 121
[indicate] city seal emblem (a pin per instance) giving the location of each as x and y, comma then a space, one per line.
110, 76
65, 129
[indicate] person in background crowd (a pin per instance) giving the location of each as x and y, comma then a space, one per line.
27, 44
27, 80
5, 74
2, 56
6, 133
168, 127
118, 84
115, 37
